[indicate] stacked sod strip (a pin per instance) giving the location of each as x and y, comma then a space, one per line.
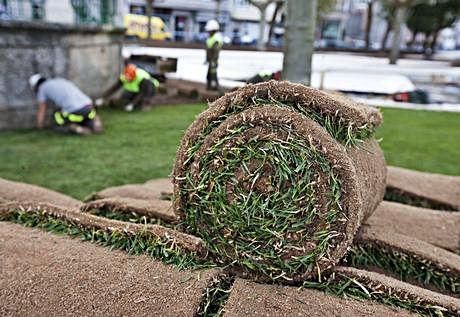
358, 283
150, 200
166, 244
16, 191
420, 189
438, 227
408, 258
277, 177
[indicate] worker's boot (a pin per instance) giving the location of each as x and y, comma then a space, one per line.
78, 129
97, 125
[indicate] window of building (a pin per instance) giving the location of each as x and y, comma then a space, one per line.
137, 9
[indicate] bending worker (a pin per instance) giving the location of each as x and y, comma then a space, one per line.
214, 44
76, 113
138, 88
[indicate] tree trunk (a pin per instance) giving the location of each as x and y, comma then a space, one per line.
149, 12
385, 36
433, 41
426, 41
262, 25
395, 46
412, 40
217, 11
299, 39
369, 23
279, 4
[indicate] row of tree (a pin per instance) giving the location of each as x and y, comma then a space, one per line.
426, 17
320, 7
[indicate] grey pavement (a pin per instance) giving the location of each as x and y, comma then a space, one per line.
341, 69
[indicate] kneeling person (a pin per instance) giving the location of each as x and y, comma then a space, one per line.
76, 113
138, 88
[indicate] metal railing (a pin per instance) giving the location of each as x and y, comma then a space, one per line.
95, 12
22, 9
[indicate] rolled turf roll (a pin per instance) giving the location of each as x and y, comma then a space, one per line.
277, 177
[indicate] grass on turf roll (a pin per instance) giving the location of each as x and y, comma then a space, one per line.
277, 177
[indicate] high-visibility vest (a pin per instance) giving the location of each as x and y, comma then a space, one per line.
215, 38
134, 85
265, 75
62, 117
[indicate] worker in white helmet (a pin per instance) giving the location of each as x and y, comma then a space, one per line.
75, 113
213, 45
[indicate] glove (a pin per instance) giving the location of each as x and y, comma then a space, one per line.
129, 107
99, 102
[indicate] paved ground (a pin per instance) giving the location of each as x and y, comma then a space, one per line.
370, 74
191, 65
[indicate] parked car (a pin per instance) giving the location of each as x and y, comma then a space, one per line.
236, 37
247, 39
331, 43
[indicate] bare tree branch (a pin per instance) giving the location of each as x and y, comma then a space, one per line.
262, 6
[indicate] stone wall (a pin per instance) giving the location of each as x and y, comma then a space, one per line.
88, 56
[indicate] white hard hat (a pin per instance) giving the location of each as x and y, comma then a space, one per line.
33, 80
125, 54
212, 25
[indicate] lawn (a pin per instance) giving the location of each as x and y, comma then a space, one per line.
139, 146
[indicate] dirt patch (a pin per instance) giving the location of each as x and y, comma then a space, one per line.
251, 299
439, 228
423, 189
15, 191
192, 90
381, 285
44, 274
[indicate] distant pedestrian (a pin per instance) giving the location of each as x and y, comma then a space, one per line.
138, 88
75, 113
214, 44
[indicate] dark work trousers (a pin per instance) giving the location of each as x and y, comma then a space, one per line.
84, 117
212, 81
146, 91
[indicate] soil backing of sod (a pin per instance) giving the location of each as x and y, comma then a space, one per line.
380, 247
16, 191
407, 258
151, 199
152, 189
252, 299
391, 291
421, 189
277, 177
63, 276
439, 228
151, 237
151, 208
